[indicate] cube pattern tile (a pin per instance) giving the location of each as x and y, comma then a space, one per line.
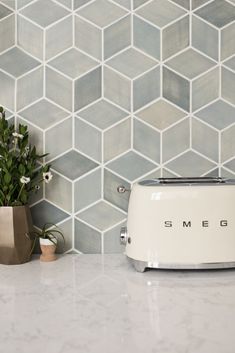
118, 91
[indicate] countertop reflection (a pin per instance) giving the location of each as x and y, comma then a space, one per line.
95, 303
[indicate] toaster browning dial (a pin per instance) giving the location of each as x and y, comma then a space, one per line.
124, 236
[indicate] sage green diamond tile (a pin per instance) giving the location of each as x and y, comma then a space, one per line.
79, 3
63, 198
20, 3
197, 3
190, 164
176, 89
62, 132
102, 114
35, 135
101, 216
137, 3
175, 37
131, 63
111, 183
228, 143
213, 173
88, 88
117, 88
88, 38
227, 40
44, 12
29, 88
67, 229
218, 114
190, 63
160, 114
44, 212
146, 37
87, 190
153, 175
16, 62
7, 31
230, 63
205, 140
7, 96
175, 140
102, 13
117, 36
183, 3
160, 12
4, 11
228, 85
146, 141
230, 165
146, 88
73, 63
86, 239
44, 114
217, 12
226, 174
205, 38
117, 140
131, 166
124, 3
73, 165
84, 134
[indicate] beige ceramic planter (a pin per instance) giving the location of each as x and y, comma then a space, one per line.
48, 250
15, 227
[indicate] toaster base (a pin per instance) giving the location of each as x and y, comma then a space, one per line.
141, 266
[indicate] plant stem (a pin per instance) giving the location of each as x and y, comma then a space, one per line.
20, 192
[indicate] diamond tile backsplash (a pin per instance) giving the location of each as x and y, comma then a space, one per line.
118, 91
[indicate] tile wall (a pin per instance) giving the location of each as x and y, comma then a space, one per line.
118, 91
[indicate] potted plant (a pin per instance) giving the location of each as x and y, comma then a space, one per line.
21, 173
48, 238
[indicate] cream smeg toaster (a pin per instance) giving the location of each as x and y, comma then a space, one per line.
181, 223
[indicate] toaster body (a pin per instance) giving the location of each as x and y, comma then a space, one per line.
181, 223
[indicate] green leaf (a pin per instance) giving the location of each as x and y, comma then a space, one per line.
21, 169
7, 178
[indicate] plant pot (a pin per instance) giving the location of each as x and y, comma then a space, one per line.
48, 250
15, 227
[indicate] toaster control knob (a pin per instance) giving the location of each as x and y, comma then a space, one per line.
123, 236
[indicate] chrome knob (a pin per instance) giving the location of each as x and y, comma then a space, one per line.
123, 236
121, 189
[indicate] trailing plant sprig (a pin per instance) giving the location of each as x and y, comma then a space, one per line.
21, 172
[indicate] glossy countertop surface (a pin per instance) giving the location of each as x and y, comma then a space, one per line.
95, 303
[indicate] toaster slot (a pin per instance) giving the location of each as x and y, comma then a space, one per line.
195, 180
185, 181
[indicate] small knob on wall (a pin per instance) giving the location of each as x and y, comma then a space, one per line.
121, 189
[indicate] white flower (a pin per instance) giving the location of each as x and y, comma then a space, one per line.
37, 187
47, 177
16, 135
24, 180
26, 152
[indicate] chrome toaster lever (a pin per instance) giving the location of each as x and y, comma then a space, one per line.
123, 236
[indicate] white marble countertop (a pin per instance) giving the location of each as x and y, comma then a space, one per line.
94, 303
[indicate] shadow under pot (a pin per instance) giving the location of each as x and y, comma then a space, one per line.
15, 228
48, 249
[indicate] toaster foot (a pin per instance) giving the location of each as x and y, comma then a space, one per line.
140, 266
